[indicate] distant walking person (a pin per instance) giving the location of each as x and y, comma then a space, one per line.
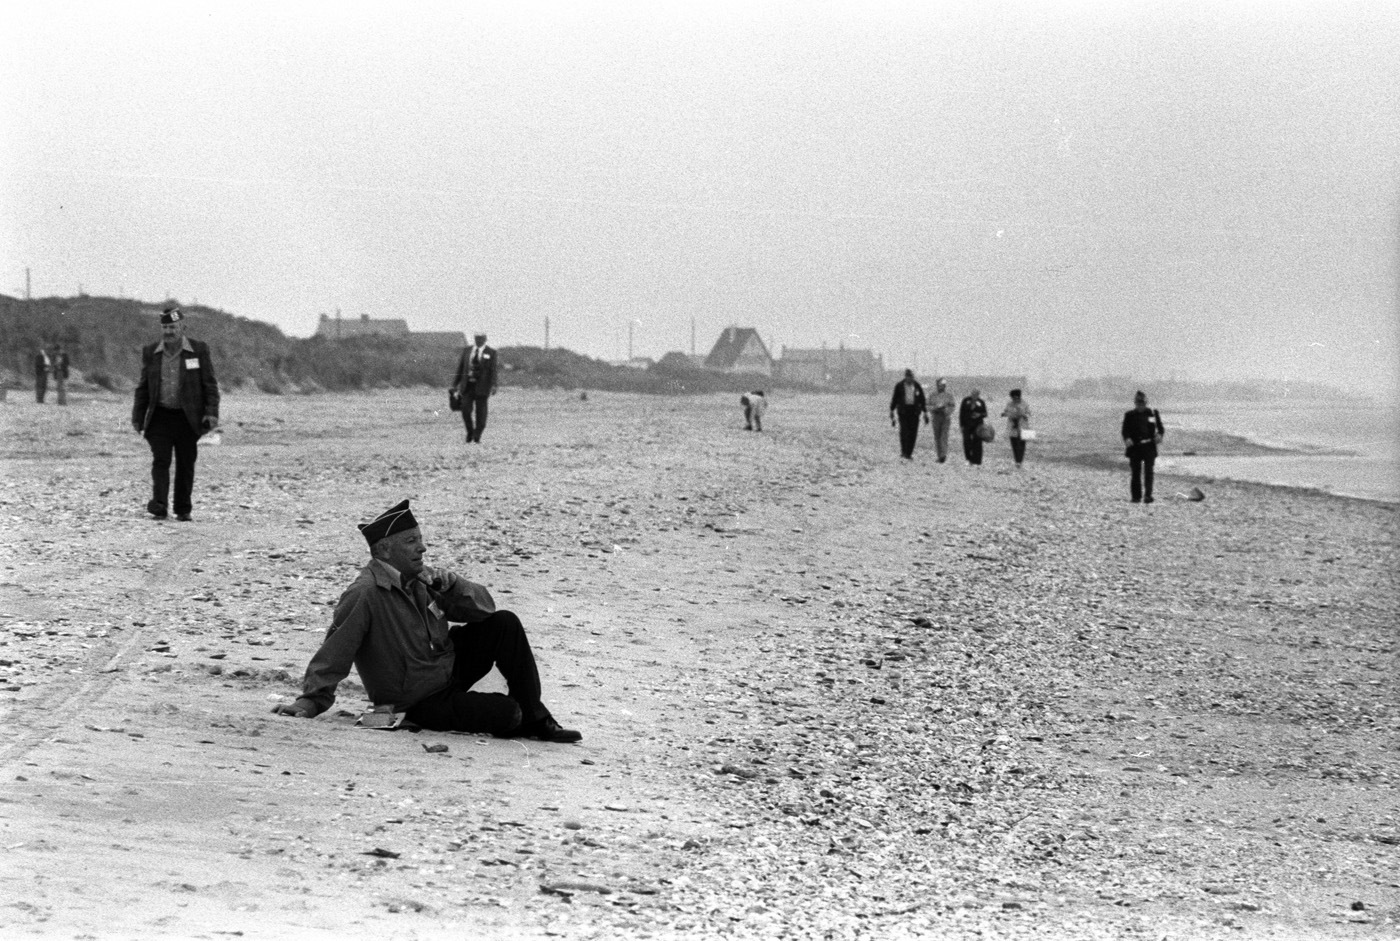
41, 375
940, 407
1142, 432
971, 414
755, 404
177, 401
60, 373
908, 404
1018, 418
476, 383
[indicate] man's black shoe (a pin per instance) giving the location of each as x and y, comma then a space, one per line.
548, 730
182, 517
156, 509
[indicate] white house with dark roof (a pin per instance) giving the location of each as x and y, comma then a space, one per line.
740, 349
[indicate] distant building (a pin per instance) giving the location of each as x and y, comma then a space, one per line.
851, 370
455, 339
993, 388
338, 328
740, 349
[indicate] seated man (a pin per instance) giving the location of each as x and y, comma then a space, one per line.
392, 624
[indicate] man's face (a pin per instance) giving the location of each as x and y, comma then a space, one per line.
1140, 404
404, 551
480, 339
172, 334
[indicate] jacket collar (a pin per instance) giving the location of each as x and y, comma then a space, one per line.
384, 574
185, 346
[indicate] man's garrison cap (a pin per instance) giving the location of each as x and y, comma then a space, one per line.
393, 520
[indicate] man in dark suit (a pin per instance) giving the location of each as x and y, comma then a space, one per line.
476, 383
1142, 432
177, 401
908, 403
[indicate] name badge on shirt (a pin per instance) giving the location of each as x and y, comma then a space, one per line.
192, 364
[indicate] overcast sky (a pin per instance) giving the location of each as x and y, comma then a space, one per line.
1058, 189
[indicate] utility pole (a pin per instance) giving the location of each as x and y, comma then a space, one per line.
630, 325
692, 336
546, 333
26, 284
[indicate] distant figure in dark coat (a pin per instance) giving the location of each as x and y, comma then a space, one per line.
755, 404
971, 414
41, 375
908, 404
177, 401
476, 383
1142, 432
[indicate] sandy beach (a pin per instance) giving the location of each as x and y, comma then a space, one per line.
825, 693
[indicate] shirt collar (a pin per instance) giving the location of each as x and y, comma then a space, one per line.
385, 575
184, 347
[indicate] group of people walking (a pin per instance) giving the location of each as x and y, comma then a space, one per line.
909, 405
51, 363
1142, 427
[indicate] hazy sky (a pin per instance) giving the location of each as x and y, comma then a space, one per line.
1061, 189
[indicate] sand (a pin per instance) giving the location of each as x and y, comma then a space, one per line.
825, 693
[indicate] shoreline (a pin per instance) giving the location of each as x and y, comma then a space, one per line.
1120, 466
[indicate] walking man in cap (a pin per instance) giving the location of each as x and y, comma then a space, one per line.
940, 407
907, 402
177, 401
392, 624
476, 383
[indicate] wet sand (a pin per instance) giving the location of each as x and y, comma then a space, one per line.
825, 693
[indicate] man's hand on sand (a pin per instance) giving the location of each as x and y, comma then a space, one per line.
290, 709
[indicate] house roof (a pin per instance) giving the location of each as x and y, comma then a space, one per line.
731, 345
361, 326
840, 354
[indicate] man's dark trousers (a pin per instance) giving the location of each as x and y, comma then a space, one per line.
474, 413
1141, 486
908, 429
170, 430
498, 641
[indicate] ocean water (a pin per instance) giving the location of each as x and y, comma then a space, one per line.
1351, 450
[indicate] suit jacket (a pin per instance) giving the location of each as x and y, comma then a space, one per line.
483, 382
1142, 428
897, 399
199, 390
